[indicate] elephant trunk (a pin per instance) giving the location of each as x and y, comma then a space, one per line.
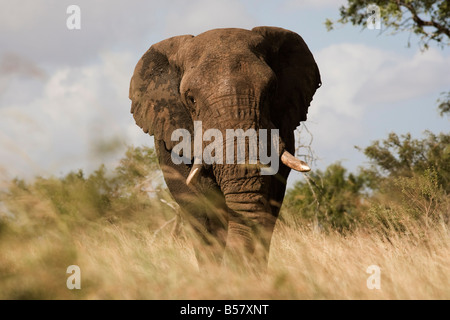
246, 190
239, 177
250, 219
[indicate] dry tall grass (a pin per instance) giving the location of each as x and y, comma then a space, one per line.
108, 225
122, 258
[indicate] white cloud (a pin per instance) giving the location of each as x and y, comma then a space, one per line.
407, 78
70, 88
356, 77
345, 68
37, 29
77, 108
65, 91
195, 17
359, 80
22, 14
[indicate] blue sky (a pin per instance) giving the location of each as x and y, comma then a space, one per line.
63, 93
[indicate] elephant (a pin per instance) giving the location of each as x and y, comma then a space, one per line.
228, 78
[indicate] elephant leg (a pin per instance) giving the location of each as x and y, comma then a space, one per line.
208, 221
250, 229
209, 243
247, 246
251, 225
202, 206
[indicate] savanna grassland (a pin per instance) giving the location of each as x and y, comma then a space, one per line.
123, 230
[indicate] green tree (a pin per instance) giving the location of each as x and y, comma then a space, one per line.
137, 165
402, 156
410, 182
332, 199
75, 196
407, 180
429, 19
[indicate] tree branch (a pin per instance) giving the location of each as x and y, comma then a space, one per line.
420, 22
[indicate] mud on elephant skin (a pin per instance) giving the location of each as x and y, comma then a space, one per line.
263, 78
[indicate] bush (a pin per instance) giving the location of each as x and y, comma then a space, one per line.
133, 188
407, 181
331, 199
403, 156
409, 202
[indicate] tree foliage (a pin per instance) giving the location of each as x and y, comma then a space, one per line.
429, 19
133, 188
403, 156
331, 199
406, 180
444, 104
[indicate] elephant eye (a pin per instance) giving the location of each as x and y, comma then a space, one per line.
191, 99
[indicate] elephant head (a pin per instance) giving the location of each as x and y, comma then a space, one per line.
228, 79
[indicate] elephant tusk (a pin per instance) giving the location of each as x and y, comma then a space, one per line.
194, 174
294, 163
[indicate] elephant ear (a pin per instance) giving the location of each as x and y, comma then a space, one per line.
297, 74
154, 91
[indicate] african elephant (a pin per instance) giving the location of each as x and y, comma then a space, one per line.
263, 78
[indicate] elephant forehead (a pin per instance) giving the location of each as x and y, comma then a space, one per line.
218, 44
219, 59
